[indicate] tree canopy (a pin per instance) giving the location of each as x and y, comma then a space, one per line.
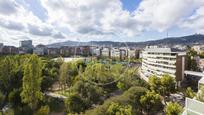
117, 109
32, 78
173, 109
151, 102
164, 85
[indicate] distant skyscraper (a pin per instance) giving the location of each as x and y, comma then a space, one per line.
26, 47
26, 43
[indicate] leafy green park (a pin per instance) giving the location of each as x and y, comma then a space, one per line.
89, 88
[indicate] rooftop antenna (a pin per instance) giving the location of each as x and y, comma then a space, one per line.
167, 34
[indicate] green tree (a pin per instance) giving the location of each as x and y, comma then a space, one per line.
191, 62
90, 93
118, 109
14, 98
7, 74
63, 76
68, 72
105, 75
9, 77
50, 73
121, 85
190, 93
32, 77
130, 97
74, 104
129, 78
167, 85
155, 84
202, 54
9, 111
200, 95
44, 110
173, 109
151, 102
2, 98
164, 85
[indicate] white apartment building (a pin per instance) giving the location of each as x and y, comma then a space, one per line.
115, 52
96, 51
131, 53
105, 52
158, 61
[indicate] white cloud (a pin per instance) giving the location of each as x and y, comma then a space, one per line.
23, 21
196, 21
108, 16
96, 19
8, 7
163, 14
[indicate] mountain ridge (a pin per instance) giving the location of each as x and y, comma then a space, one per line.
170, 41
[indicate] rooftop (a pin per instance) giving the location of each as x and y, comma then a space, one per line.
162, 50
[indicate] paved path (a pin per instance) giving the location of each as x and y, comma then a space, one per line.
55, 95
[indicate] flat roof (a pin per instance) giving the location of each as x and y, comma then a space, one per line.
163, 50
199, 74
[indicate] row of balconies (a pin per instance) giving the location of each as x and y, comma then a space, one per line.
159, 64
158, 72
156, 68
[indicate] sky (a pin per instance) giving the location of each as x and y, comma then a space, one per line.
51, 21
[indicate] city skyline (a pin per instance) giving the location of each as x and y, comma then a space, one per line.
53, 21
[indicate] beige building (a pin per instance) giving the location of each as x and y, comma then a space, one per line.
106, 52
198, 48
201, 64
115, 52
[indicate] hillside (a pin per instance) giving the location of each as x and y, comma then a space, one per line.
184, 40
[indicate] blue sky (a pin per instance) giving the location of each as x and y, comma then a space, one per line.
130, 5
49, 21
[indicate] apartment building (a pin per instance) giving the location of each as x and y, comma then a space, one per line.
158, 61
53, 51
106, 52
40, 50
133, 53
10, 50
115, 52
96, 51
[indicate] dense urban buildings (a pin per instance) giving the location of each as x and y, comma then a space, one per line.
26, 47
10, 50
158, 61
